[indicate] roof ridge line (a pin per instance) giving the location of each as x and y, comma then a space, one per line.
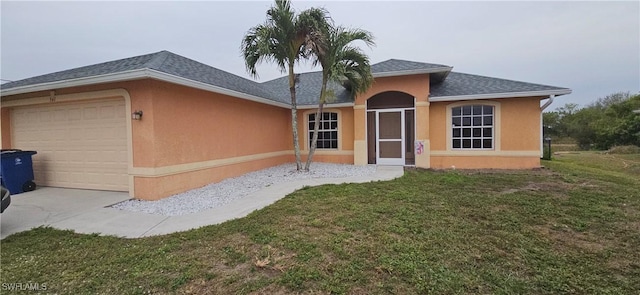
212, 67
158, 60
412, 61
287, 75
267, 93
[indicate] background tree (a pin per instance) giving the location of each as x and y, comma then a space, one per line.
341, 63
609, 121
284, 39
552, 125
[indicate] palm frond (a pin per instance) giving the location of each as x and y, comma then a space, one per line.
343, 62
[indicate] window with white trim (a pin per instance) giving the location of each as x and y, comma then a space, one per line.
328, 131
472, 127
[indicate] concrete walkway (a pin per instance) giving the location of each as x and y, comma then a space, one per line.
85, 211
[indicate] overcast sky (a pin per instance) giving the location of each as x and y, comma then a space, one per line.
591, 47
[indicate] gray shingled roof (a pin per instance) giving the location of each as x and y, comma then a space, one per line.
457, 84
308, 89
398, 65
186, 68
116, 66
454, 84
309, 83
163, 61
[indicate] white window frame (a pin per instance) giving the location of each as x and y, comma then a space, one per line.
309, 131
495, 136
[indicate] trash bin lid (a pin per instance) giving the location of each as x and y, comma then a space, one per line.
6, 151
17, 152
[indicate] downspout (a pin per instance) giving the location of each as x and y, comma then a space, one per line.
548, 103
542, 108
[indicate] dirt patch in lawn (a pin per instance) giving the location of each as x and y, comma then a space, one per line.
556, 189
564, 237
245, 265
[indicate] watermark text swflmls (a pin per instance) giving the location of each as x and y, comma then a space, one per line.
24, 286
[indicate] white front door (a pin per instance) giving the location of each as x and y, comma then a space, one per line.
390, 134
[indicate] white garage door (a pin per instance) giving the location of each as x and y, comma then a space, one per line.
79, 145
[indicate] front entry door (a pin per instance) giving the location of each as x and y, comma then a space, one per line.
390, 135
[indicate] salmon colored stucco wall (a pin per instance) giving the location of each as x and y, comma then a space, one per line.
519, 140
414, 85
438, 125
192, 125
521, 124
199, 137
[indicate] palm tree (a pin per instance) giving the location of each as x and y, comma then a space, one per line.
284, 39
343, 63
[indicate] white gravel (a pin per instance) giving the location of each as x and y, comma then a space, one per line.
228, 190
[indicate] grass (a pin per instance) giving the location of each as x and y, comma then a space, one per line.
563, 147
624, 149
571, 228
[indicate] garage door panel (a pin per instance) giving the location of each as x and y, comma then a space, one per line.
79, 145
75, 114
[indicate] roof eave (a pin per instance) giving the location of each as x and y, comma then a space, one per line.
556, 92
136, 75
84, 81
411, 72
328, 105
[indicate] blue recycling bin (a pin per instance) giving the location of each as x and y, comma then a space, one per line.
16, 171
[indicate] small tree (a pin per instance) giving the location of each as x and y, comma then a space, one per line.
343, 63
284, 39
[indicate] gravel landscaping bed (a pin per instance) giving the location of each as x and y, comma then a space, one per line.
228, 190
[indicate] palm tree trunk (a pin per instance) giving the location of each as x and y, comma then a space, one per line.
294, 117
316, 126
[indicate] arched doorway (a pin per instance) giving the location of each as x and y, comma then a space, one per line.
391, 128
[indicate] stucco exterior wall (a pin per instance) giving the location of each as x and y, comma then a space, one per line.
198, 137
517, 137
438, 125
485, 162
192, 125
521, 125
415, 85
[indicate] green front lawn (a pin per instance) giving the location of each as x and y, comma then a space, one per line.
573, 228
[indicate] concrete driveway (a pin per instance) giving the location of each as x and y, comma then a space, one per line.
86, 211
51, 206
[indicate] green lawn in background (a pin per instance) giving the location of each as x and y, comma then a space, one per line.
573, 227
